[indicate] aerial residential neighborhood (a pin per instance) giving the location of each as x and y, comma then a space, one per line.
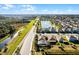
35, 30
55, 38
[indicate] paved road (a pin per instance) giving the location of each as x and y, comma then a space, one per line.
27, 45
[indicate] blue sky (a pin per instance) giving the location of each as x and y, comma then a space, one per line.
39, 8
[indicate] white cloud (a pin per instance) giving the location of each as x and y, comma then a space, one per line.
57, 11
71, 11
7, 6
28, 7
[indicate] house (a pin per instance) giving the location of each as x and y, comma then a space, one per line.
73, 39
64, 40
52, 40
68, 29
43, 41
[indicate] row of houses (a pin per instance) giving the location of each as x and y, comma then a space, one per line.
68, 25
45, 40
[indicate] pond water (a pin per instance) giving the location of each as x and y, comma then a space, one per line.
5, 42
46, 24
8, 39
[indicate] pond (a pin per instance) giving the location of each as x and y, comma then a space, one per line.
8, 39
5, 42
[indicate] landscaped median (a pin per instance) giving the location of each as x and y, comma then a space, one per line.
16, 41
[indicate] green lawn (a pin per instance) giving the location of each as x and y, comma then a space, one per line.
4, 38
13, 45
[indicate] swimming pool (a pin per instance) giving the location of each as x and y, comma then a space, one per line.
46, 24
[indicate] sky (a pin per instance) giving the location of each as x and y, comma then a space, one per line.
39, 8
